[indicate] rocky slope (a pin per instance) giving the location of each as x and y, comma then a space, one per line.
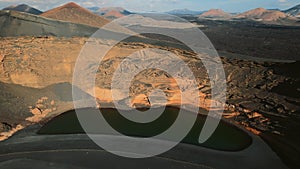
264, 97
22, 106
250, 84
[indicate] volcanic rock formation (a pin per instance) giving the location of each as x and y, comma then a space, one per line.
215, 13
262, 14
71, 12
112, 12
250, 84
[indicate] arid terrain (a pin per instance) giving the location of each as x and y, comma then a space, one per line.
261, 63
256, 96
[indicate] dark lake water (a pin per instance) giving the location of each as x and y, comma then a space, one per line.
227, 137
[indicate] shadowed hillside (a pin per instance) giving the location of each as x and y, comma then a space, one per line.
14, 23
294, 11
24, 8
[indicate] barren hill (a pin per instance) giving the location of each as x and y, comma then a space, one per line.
263, 15
24, 8
112, 12
216, 13
15, 23
71, 12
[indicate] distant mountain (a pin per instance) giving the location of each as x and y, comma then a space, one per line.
216, 13
112, 12
184, 12
24, 8
93, 9
262, 14
274, 9
294, 11
72, 12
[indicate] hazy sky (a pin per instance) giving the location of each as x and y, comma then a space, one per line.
163, 5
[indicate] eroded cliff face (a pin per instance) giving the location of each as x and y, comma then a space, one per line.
40, 62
